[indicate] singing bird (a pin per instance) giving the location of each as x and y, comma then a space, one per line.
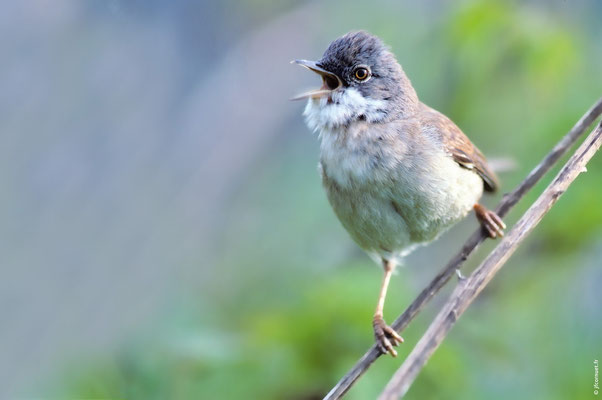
397, 173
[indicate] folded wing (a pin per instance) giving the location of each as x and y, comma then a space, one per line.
460, 148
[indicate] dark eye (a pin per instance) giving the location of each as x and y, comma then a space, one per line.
361, 73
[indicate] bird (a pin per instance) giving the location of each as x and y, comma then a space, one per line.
396, 172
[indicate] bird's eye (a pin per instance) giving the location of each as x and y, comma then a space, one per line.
361, 73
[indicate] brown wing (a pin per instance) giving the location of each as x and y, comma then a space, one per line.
460, 148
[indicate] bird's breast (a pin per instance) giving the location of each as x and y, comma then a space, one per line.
348, 161
357, 155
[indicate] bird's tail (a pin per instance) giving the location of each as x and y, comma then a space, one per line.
500, 165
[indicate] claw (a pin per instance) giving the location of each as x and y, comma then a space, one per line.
386, 337
492, 223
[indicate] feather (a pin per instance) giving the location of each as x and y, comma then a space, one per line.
459, 147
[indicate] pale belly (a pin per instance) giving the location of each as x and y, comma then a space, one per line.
388, 219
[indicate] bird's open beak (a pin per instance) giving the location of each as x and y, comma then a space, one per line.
330, 81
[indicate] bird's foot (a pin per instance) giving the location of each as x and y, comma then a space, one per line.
385, 336
491, 222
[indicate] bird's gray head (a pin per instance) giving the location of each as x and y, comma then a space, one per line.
361, 81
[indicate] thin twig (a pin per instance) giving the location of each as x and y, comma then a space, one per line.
473, 242
467, 290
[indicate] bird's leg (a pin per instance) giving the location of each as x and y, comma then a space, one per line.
385, 336
491, 222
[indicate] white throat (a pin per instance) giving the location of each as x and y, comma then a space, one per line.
341, 108
343, 143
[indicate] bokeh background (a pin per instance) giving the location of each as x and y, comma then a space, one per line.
164, 233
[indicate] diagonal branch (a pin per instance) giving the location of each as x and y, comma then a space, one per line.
468, 288
507, 202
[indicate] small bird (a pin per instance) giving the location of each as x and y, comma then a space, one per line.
397, 173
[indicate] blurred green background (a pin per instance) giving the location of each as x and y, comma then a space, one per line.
165, 234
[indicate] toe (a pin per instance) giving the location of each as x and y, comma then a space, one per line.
381, 346
489, 220
499, 231
384, 344
490, 231
387, 344
496, 223
499, 222
386, 337
397, 339
492, 223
